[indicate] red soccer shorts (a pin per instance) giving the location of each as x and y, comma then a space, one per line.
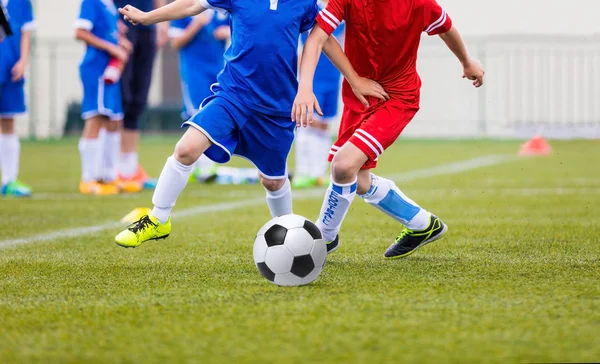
373, 130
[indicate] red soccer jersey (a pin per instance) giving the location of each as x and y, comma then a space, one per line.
382, 40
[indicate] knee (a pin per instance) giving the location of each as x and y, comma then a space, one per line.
186, 153
272, 185
343, 170
364, 182
7, 126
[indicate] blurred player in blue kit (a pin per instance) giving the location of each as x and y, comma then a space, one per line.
201, 41
313, 143
97, 26
248, 113
14, 56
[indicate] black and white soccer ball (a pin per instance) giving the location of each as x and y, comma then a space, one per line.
290, 251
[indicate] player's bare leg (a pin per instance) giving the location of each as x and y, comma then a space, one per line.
341, 192
383, 194
172, 181
10, 150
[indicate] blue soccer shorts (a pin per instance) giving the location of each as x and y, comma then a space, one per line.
101, 99
12, 99
328, 100
235, 129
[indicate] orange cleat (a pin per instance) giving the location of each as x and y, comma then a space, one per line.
98, 189
144, 179
129, 185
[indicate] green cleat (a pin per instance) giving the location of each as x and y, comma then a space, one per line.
145, 229
16, 189
304, 182
411, 240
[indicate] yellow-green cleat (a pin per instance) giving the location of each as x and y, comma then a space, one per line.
146, 228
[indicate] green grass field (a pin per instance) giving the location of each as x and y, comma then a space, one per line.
517, 279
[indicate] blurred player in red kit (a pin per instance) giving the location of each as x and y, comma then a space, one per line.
381, 94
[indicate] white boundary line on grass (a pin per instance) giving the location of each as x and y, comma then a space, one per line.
446, 169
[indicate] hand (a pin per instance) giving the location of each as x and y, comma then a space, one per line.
18, 71
473, 70
119, 53
122, 27
126, 45
162, 34
366, 87
304, 104
134, 15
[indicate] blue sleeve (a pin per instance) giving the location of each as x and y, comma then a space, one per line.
88, 16
220, 19
303, 37
309, 18
180, 23
27, 15
217, 4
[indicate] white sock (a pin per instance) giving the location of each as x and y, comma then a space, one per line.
128, 164
385, 196
89, 150
320, 144
280, 201
302, 145
335, 207
171, 183
111, 147
10, 153
100, 168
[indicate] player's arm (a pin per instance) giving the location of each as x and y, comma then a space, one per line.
472, 69
318, 41
18, 69
181, 37
223, 32
162, 29
178, 9
114, 50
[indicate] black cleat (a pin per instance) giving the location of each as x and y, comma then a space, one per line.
411, 240
333, 245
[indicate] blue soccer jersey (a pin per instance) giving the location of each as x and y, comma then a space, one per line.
262, 61
20, 19
100, 18
200, 61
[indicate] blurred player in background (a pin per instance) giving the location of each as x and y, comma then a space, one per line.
97, 27
313, 143
248, 113
382, 41
14, 56
201, 41
135, 85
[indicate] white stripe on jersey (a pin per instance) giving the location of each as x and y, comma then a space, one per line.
332, 17
367, 143
375, 141
327, 20
438, 23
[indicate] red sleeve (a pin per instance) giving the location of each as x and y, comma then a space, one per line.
436, 20
332, 16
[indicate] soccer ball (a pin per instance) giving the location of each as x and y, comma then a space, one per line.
290, 251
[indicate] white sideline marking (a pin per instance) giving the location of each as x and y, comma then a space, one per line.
450, 168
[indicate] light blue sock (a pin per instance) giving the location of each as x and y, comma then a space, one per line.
385, 196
